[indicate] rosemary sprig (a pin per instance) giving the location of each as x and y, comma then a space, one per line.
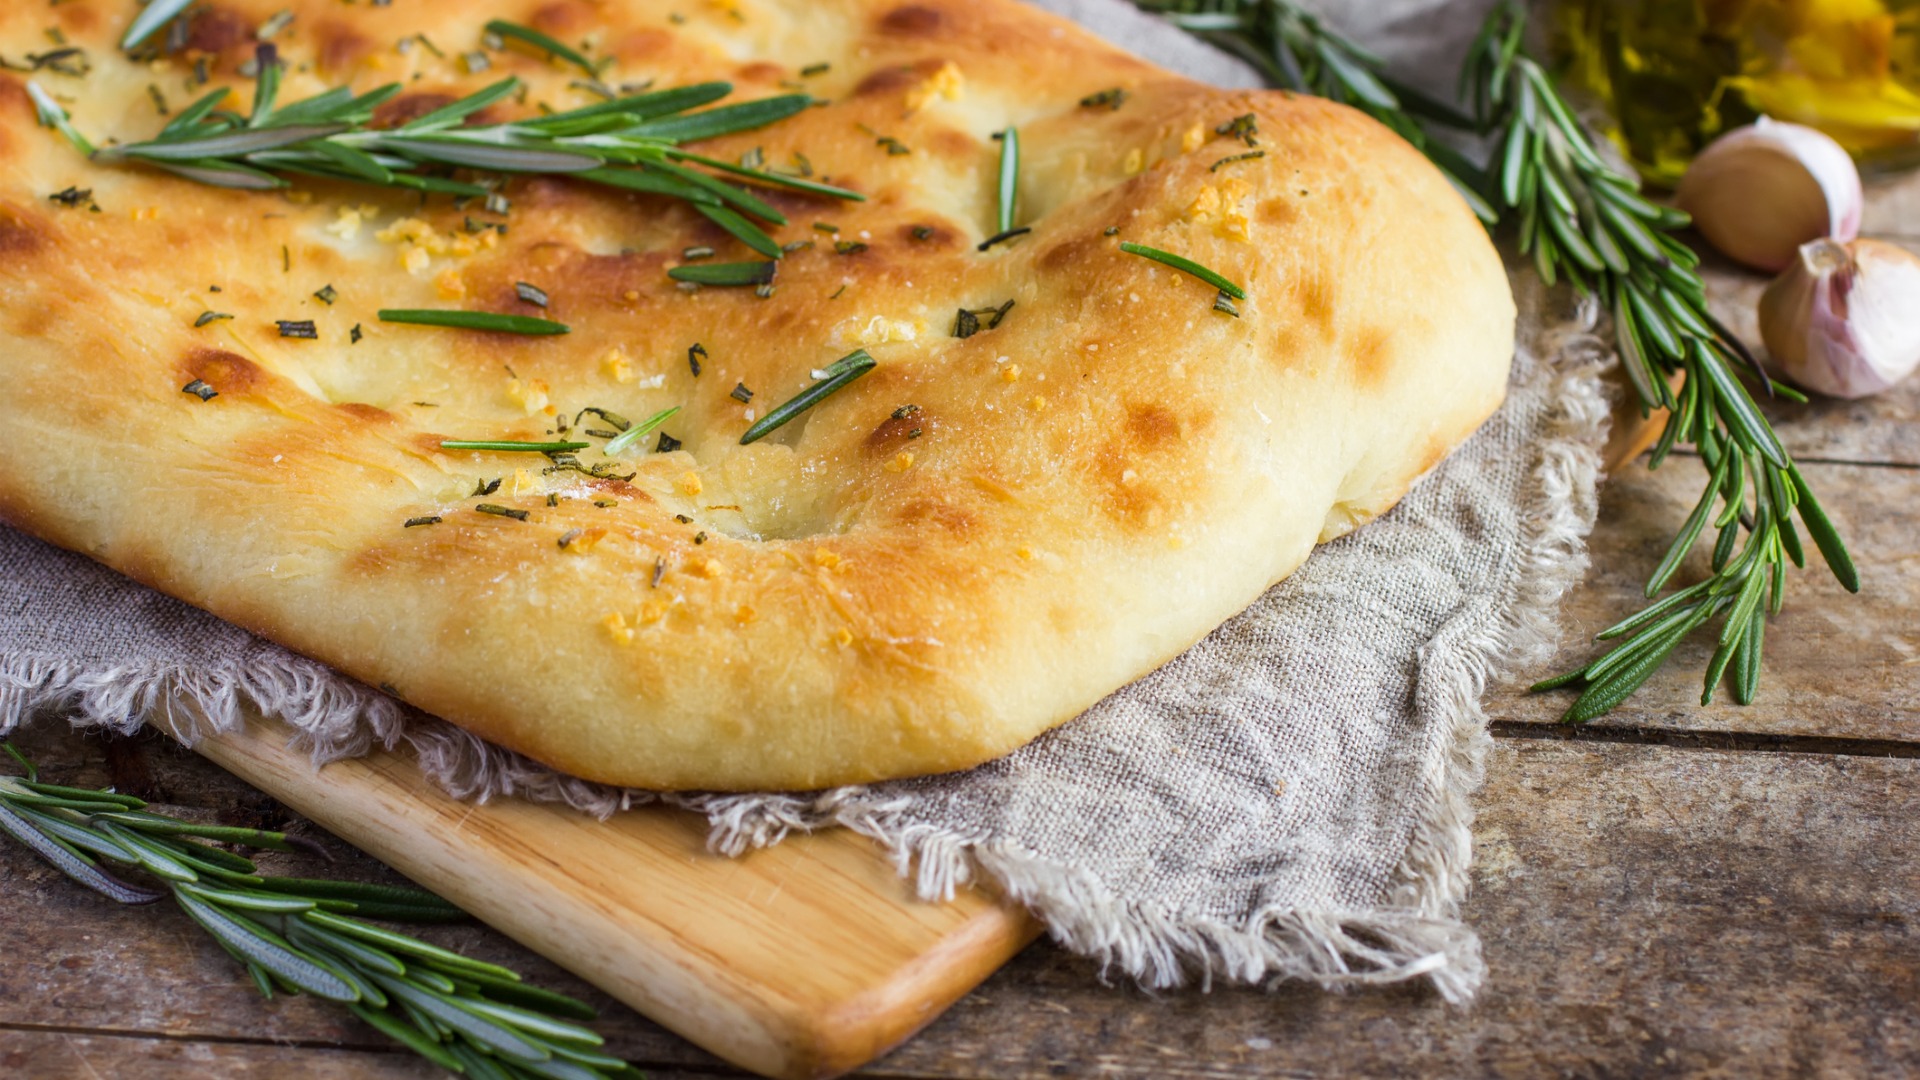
831, 379
307, 936
629, 142
474, 320
1587, 223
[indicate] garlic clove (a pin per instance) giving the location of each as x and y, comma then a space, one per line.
1757, 193
1844, 319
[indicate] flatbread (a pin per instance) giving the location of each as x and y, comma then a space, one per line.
970, 544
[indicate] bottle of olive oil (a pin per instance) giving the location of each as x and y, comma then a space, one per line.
1676, 73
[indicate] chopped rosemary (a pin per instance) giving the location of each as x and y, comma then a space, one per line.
568, 537
636, 432
501, 511
209, 316
503, 29
1110, 99
702, 251
735, 273
511, 446
694, 353
1009, 176
741, 394
967, 322
1186, 266
894, 147
825, 227
1223, 302
72, 196
327, 295
532, 294
354, 335
667, 444
473, 320
659, 571
297, 328
1231, 158
922, 232
200, 390
416, 522
835, 375
811, 70
1002, 237
487, 487
613, 418
1243, 127
848, 247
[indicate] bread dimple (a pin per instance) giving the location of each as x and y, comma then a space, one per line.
973, 542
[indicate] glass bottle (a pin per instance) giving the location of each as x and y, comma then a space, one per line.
1676, 73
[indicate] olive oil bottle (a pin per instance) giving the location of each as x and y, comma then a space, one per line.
1676, 73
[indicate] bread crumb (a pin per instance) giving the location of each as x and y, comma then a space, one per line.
630, 295
711, 568
524, 483
530, 395
1136, 161
617, 628
901, 462
690, 483
744, 614
823, 557
415, 260
1194, 139
1010, 373
1038, 404
1024, 552
584, 542
945, 83
843, 637
450, 285
652, 612
616, 366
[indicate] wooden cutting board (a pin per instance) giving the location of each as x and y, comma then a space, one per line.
807, 959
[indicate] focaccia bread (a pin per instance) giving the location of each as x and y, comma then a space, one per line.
971, 543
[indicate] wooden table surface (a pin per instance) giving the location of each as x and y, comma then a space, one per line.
1675, 890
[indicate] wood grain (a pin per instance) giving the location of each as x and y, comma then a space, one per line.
1836, 664
806, 959
1646, 911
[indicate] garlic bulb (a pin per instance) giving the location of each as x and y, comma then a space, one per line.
1757, 193
1844, 319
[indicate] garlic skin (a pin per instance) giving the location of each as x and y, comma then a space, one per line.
1757, 193
1844, 319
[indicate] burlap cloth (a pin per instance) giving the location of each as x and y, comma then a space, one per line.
1287, 798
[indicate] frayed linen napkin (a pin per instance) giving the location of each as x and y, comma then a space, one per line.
1286, 799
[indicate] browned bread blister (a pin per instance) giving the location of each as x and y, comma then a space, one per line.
972, 543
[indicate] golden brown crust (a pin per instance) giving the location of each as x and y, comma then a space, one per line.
1076, 496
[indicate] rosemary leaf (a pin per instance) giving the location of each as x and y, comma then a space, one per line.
473, 320
835, 376
1185, 265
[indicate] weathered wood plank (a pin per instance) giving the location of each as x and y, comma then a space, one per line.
1645, 910
1835, 664
58, 1055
